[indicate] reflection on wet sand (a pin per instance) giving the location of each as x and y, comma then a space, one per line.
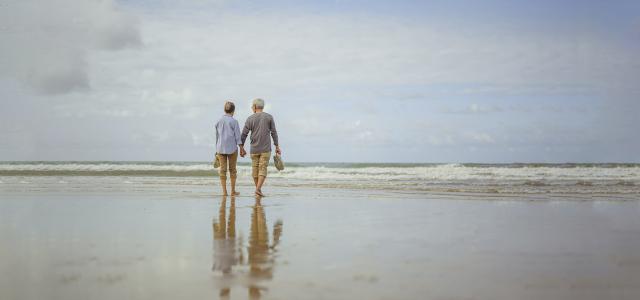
228, 250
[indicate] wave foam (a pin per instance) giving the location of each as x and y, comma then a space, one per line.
428, 178
444, 172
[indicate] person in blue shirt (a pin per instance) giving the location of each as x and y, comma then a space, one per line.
227, 141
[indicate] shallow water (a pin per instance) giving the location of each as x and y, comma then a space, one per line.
313, 243
584, 181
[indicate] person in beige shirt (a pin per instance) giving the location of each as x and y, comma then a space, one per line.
263, 129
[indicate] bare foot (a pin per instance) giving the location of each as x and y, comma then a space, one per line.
234, 193
259, 193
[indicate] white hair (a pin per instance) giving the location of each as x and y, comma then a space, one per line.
259, 103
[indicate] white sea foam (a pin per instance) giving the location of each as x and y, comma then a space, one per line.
528, 179
442, 172
453, 173
105, 167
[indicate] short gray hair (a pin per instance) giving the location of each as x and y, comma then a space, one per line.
259, 103
229, 107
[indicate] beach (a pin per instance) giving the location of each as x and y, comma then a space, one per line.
73, 236
425, 150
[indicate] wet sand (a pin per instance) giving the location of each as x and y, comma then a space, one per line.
314, 244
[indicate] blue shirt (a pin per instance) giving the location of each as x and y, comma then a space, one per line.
227, 135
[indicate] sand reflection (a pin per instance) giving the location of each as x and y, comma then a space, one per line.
229, 250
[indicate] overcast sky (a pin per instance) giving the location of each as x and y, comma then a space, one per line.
374, 81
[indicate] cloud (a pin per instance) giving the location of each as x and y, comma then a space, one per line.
475, 108
354, 80
240, 55
457, 137
45, 44
481, 137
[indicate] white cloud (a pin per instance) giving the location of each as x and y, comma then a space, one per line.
456, 137
475, 108
440, 139
203, 140
354, 71
271, 53
45, 43
224, 55
481, 137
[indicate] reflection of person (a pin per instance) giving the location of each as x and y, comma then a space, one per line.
260, 259
228, 249
227, 141
263, 129
224, 243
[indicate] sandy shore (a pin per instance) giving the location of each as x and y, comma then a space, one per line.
314, 244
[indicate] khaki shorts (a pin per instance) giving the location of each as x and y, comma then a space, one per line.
259, 163
228, 161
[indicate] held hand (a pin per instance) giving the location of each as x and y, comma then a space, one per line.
242, 152
278, 151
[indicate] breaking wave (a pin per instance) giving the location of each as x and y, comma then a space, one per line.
476, 178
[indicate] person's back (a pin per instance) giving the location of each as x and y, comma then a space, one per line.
227, 135
227, 141
263, 129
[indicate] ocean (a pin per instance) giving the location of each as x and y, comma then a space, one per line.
162, 230
541, 181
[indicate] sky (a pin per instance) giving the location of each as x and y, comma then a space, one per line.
346, 81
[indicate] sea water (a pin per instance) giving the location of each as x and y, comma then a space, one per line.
579, 181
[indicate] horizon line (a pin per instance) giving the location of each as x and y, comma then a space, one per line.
318, 162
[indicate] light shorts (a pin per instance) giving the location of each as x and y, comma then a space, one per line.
259, 163
228, 161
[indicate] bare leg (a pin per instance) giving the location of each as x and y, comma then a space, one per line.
233, 158
223, 182
224, 165
233, 187
259, 184
255, 181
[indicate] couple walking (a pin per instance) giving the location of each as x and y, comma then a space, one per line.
229, 139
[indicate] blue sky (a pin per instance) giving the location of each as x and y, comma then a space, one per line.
374, 81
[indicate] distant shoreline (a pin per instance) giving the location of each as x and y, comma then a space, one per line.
399, 164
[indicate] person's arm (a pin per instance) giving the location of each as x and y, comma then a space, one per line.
217, 135
243, 137
245, 133
236, 132
274, 136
